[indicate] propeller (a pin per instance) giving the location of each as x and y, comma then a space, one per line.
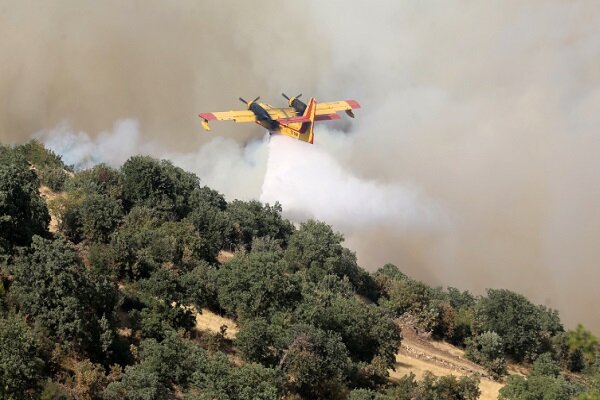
287, 98
248, 104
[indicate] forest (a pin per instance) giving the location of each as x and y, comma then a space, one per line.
103, 277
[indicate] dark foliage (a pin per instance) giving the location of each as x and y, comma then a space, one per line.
53, 287
23, 212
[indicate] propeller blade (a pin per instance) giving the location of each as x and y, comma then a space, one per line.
243, 101
284, 95
256, 99
299, 96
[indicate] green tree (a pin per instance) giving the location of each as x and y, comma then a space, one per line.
315, 361
137, 383
366, 330
158, 184
53, 287
49, 166
487, 349
447, 388
99, 180
255, 285
20, 363
100, 215
23, 212
526, 329
132, 245
317, 250
256, 341
252, 219
585, 341
544, 383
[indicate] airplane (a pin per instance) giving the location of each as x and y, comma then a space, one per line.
296, 121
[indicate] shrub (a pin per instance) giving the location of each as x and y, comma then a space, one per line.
487, 349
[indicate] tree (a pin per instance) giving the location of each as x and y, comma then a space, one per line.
23, 212
53, 287
100, 215
487, 350
448, 387
256, 340
315, 246
315, 361
526, 329
49, 166
215, 378
159, 185
544, 383
366, 330
132, 244
99, 180
585, 341
256, 285
20, 363
252, 219
137, 383
316, 249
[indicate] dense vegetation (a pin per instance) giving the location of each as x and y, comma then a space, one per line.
105, 307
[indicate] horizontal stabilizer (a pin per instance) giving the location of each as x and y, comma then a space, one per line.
327, 117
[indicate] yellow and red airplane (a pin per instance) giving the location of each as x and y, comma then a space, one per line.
296, 121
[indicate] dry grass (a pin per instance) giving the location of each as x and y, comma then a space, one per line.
418, 355
207, 321
49, 195
224, 256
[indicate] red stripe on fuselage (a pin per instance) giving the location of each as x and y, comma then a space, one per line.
353, 103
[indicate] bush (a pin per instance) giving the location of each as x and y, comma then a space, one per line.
252, 219
54, 288
448, 387
159, 185
23, 212
256, 285
526, 329
366, 330
53, 177
20, 363
487, 350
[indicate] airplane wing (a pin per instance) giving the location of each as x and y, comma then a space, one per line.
279, 113
237, 116
334, 106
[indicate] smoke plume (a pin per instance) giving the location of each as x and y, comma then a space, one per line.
473, 162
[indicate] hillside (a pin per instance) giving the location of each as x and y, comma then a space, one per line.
140, 283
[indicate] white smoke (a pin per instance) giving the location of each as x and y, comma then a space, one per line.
223, 164
310, 183
81, 151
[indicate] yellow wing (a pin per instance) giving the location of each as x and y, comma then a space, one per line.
237, 116
334, 106
279, 113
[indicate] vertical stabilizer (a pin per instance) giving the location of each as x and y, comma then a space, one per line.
307, 128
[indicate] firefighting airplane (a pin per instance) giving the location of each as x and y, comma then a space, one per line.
296, 121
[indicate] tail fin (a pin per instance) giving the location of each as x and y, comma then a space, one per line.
307, 128
300, 127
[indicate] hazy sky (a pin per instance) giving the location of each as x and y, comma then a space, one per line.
473, 162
